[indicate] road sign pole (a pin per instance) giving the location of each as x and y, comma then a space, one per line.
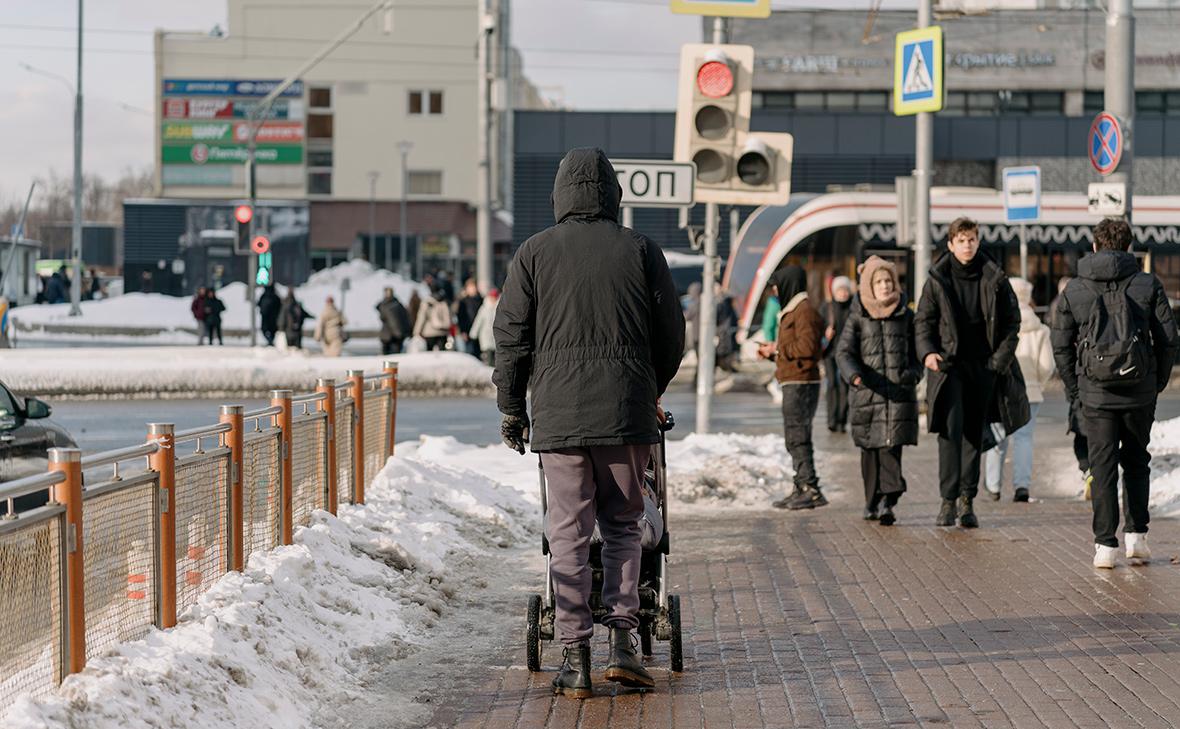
1119, 97
628, 216
923, 172
706, 350
1023, 253
252, 260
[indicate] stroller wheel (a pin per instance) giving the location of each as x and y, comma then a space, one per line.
645, 639
675, 644
533, 634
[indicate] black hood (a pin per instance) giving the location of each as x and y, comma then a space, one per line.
1108, 266
790, 280
586, 186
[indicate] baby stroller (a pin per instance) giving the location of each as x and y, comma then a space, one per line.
659, 612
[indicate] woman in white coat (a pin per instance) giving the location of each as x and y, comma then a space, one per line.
1034, 352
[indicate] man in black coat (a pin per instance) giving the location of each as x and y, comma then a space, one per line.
269, 304
395, 323
967, 326
590, 317
465, 310
1117, 416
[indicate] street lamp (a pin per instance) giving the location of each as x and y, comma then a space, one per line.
404, 147
373, 175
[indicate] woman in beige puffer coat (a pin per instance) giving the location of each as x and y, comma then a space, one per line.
329, 329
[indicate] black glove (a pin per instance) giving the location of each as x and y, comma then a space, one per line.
514, 429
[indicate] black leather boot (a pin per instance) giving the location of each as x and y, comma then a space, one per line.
573, 679
967, 518
624, 666
946, 515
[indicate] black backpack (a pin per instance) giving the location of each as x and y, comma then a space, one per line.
1114, 349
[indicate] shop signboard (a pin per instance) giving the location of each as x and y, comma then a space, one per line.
282, 109
228, 87
202, 153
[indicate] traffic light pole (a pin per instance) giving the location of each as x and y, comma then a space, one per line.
706, 350
252, 258
923, 172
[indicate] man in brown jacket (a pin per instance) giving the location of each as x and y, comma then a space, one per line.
797, 353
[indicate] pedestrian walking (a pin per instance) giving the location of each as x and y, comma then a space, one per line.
692, 317
395, 323
213, 307
465, 310
835, 386
878, 356
769, 332
269, 305
1115, 341
434, 320
727, 329
796, 352
198, 309
482, 329
291, 318
1034, 354
967, 325
329, 329
590, 323
414, 305
1081, 448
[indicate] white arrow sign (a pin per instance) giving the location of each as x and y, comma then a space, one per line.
655, 183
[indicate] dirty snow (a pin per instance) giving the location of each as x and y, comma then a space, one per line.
315, 634
1165, 468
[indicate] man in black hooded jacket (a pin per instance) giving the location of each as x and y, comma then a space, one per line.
1117, 417
589, 320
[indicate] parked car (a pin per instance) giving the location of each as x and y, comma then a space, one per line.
26, 435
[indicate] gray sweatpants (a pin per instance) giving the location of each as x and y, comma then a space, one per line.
603, 482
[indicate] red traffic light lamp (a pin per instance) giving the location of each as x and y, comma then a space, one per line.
260, 244
715, 75
243, 214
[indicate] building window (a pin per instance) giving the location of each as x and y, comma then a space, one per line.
872, 101
425, 182
320, 97
319, 182
1046, 103
414, 102
436, 102
1093, 102
840, 101
319, 158
421, 102
809, 101
319, 126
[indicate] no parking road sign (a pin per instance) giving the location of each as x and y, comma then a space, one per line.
1105, 143
917, 71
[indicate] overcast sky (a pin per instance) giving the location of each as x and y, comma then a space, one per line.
588, 54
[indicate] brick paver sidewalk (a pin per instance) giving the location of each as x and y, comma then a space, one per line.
822, 619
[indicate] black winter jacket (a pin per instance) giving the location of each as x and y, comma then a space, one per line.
1151, 309
395, 322
936, 331
835, 316
882, 352
588, 319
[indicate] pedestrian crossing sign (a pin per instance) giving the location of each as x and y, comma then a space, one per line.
917, 71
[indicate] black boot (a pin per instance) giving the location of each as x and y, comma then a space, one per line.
573, 679
967, 518
784, 501
946, 515
809, 498
887, 516
624, 666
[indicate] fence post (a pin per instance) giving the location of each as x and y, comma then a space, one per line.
357, 379
391, 384
163, 462
235, 440
282, 398
68, 493
328, 405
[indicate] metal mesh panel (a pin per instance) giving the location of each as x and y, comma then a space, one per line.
309, 468
261, 483
345, 414
202, 483
119, 529
377, 407
31, 604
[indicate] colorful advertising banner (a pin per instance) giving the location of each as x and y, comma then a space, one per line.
215, 131
283, 109
217, 153
227, 87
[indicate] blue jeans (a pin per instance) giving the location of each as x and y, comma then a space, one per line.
1022, 455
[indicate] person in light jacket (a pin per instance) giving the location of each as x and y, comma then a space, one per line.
433, 322
329, 329
1034, 353
482, 331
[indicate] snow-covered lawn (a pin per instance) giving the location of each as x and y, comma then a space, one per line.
214, 371
302, 633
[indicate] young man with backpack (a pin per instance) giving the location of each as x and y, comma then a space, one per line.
1114, 340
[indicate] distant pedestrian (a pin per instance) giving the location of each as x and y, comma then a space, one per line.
198, 309
835, 386
414, 305
727, 329
1034, 354
1081, 447
269, 305
434, 320
291, 318
465, 310
1115, 342
329, 329
94, 290
878, 356
797, 351
692, 317
482, 330
213, 308
57, 290
967, 325
395, 323
769, 332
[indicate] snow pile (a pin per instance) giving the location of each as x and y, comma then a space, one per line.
1165, 468
289, 642
138, 311
217, 371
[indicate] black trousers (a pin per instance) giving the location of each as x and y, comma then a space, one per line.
799, 405
881, 470
1081, 451
435, 343
968, 390
1119, 438
393, 346
836, 390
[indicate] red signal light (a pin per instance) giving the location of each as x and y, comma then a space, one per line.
260, 244
243, 214
715, 79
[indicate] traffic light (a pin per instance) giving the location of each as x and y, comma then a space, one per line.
733, 165
264, 265
243, 214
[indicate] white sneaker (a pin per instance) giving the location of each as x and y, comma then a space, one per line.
1104, 556
1137, 547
